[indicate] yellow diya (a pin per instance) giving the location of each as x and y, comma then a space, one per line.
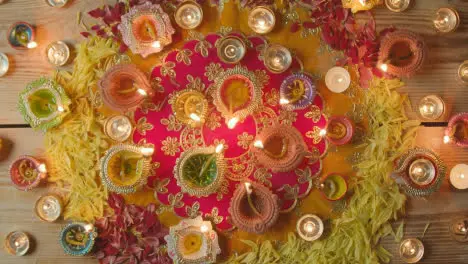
189, 107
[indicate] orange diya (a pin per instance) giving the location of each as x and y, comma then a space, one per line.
340, 130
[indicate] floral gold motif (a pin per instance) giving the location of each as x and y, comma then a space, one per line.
193, 211
314, 113
170, 146
315, 135
214, 216
272, 97
213, 70
142, 126
171, 123
263, 176
287, 117
213, 121
244, 140
202, 47
195, 83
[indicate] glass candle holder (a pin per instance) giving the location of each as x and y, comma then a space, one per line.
189, 15
459, 176
17, 243
458, 229
277, 59
397, 5
57, 3
58, 53
446, 20
4, 64
463, 71
431, 107
49, 207
21, 35
411, 250
338, 79
118, 128
261, 20
231, 49
422, 172
310, 227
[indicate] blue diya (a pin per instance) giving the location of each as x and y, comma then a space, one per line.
297, 91
77, 239
21, 35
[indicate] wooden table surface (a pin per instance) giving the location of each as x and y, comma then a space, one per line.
439, 76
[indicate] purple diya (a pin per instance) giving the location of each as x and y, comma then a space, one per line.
254, 208
297, 91
340, 130
124, 87
457, 130
27, 172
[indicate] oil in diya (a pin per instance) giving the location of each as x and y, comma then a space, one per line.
17, 243
446, 20
188, 15
22, 35
340, 130
431, 107
333, 187
411, 250
77, 239
27, 172
261, 20
49, 207
58, 53
310, 227
4, 64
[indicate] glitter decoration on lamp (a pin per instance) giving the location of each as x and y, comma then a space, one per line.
189, 107
456, 131
297, 91
77, 238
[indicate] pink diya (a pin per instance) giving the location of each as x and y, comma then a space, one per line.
280, 148
254, 208
146, 29
340, 130
457, 130
26, 172
402, 53
124, 87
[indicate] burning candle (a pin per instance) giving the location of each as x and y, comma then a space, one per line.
232, 122
147, 151
21, 35
337, 79
48, 208
262, 20
57, 3
459, 176
58, 53
411, 250
204, 228
189, 15
310, 227
422, 171
118, 128
446, 20
463, 72
4, 64
431, 107
17, 243
459, 229
397, 5
231, 49
277, 58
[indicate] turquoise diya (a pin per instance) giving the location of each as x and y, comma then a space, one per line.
77, 239
334, 187
21, 35
297, 91
43, 104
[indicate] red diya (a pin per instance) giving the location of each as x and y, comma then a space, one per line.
27, 172
457, 130
402, 53
254, 208
124, 87
340, 130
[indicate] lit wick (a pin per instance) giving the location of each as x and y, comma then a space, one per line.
284, 101
258, 144
147, 152
142, 92
60, 108
249, 190
42, 168
446, 139
31, 45
88, 227
323, 132
156, 45
195, 117
204, 228
309, 227
232, 122
384, 67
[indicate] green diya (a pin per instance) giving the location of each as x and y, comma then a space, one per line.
334, 187
43, 104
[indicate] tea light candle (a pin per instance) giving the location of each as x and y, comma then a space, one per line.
446, 20
397, 5
463, 72
277, 58
48, 208
431, 107
58, 53
337, 79
57, 3
459, 176
4, 64
422, 171
262, 20
459, 229
231, 124
231, 49
411, 250
118, 128
309, 227
189, 15
147, 151
17, 243
21, 35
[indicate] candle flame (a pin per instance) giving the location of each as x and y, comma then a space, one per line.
142, 92
284, 101
384, 67
309, 227
31, 45
195, 117
323, 132
248, 187
204, 228
88, 227
258, 144
42, 168
219, 148
156, 44
462, 176
446, 139
60, 108
232, 122
17, 244
147, 151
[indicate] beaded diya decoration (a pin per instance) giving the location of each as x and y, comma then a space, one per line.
192, 241
402, 53
124, 87
125, 168
189, 107
254, 208
48, 207
27, 172
200, 171
77, 239
230, 49
340, 130
457, 130
21, 35
43, 104
17, 243
422, 171
146, 29
333, 187
297, 91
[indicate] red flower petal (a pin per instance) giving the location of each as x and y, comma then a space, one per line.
97, 13
96, 27
116, 202
295, 27
85, 34
123, 48
310, 24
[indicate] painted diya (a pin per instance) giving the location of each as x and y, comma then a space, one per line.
43, 104
146, 29
21, 35
279, 147
200, 171
192, 241
297, 91
421, 170
340, 130
27, 172
254, 208
125, 168
77, 239
457, 130
124, 87
333, 187
402, 53
189, 107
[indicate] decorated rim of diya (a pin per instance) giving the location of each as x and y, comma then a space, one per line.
411, 41
307, 91
117, 98
186, 102
349, 126
337, 188
35, 181
10, 37
142, 170
86, 248
184, 162
451, 129
257, 220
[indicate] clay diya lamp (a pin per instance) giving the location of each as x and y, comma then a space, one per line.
253, 208
333, 187
124, 87
43, 104
17, 243
340, 130
277, 59
125, 168
402, 53
49, 207
261, 20
189, 107
297, 91
146, 29
21, 35
231, 49
27, 172
77, 239
458, 229
192, 241
200, 171
457, 130
279, 148
188, 15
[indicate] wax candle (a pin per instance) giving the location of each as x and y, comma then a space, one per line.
397, 5
189, 15
446, 20
57, 3
411, 250
118, 128
48, 207
337, 79
58, 53
310, 227
261, 20
277, 58
17, 243
463, 71
459, 176
431, 107
422, 171
459, 229
4, 64
231, 49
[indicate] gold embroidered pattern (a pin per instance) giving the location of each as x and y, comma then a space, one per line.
202, 47
314, 113
167, 69
237, 167
161, 186
176, 200
193, 211
314, 135
263, 176
195, 83
213, 121
191, 137
244, 140
148, 105
153, 167
216, 142
305, 175
213, 70
240, 167
171, 123
156, 84
272, 97
262, 77
223, 189
170, 146
313, 155
184, 56
142, 126
214, 216
291, 192
287, 117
